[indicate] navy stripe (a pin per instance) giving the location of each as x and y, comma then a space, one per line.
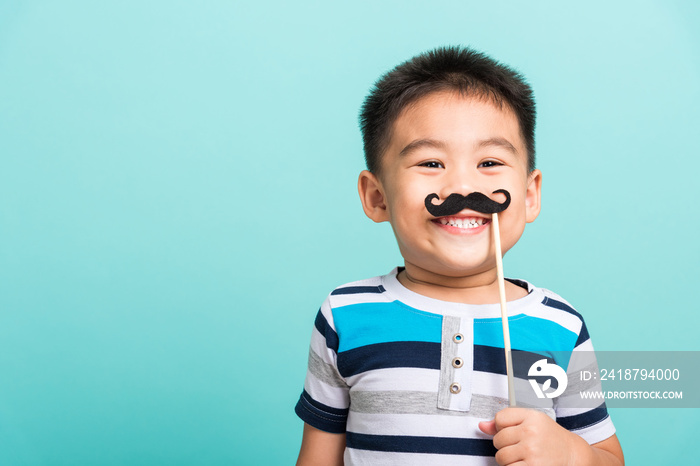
324, 327
587, 419
583, 334
318, 405
426, 355
419, 354
434, 445
358, 290
520, 283
320, 416
549, 302
493, 360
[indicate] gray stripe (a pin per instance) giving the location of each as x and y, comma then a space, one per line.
576, 385
325, 372
450, 326
406, 402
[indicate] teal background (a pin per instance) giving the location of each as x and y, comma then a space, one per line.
177, 197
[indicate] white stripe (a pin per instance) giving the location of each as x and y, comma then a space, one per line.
419, 425
583, 358
597, 432
399, 378
341, 300
557, 316
327, 312
335, 397
379, 458
374, 281
487, 383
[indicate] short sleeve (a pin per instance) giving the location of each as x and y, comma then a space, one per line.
324, 401
581, 409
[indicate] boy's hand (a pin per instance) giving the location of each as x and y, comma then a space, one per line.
524, 436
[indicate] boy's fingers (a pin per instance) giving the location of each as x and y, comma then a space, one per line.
511, 455
509, 417
488, 427
507, 437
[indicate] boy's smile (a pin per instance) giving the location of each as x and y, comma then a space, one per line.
447, 143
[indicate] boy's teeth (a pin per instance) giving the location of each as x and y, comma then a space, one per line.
462, 222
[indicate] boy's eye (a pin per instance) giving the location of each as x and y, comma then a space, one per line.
489, 163
431, 164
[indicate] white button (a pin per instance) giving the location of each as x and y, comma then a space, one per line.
458, 338
455, 388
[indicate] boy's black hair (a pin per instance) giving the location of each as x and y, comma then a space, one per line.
446, 68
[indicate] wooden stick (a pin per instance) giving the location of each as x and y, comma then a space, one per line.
504, 311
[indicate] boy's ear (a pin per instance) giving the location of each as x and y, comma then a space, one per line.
533, 195
372, 197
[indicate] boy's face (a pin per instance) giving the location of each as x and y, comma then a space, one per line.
446, 143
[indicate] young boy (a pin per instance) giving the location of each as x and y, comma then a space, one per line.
408, 368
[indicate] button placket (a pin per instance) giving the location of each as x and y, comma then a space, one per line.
456, 364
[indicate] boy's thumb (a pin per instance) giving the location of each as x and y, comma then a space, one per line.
488, 427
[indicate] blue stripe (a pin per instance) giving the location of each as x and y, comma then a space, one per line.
370, 323
325, 329
580, 421
409, 444
320, 416
583, 334
358, 290
419, 354
527, 333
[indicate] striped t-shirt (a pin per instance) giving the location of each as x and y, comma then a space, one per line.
408, 378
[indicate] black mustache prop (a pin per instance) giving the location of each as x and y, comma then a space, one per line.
455, 203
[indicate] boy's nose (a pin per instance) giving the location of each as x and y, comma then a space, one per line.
461, 182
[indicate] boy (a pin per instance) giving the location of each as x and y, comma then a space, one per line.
408, 368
